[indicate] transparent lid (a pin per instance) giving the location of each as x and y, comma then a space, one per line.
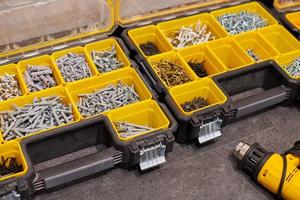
287, 5
135, 11
30, 23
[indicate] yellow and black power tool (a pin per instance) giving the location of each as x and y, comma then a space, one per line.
279, 173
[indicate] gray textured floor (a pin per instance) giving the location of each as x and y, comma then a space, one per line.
196, 173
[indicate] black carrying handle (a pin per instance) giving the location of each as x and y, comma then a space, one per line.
74, 170
260, 101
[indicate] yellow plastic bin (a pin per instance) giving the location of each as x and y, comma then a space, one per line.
286, 59
44, 60
145, 113
175, 58
282, 40
285, 5
127, 76
13, 150
77, 50
254, 41
201, 54
252, 7
169, 28
294, 19
205, 88
105, 45
230, 53
22, 101
11, 69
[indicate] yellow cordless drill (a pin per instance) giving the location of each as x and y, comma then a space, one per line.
278, 173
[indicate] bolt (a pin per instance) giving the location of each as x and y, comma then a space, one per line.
9, 87
73, 67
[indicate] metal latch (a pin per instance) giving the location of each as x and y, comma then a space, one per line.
13, 195
209, 131
152, 156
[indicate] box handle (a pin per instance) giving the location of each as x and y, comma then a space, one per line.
260, 101
70, 171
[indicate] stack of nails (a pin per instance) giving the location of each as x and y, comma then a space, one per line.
106, 61
42, 114
73, 67
253, 55
294, 68
38, 78
126, 129
198, 68
236, 23
9, 166
171, 73
195, 104
110, 97
191, 35
149, 49
9, 87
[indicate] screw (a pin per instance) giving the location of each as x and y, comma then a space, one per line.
110, 97
9, 87
191, 35
195, 104
35, 117
293, 68
9, 166
149, 48
106, 61
126, 129
253, 55
198, 68
171, 73
73, 67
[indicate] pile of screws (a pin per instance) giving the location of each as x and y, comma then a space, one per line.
39, 77
191, 35
126, 129
198, 68
294, 68
253, 55
196, 103
73, 67
236, 23
9, 87
110, 97
171, 73
106, 61
42, 114
9, 166
149, 49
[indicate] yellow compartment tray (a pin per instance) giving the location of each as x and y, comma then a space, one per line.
145, 113
286, 59
294, 18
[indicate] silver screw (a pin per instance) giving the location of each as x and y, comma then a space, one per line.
253, 55
126, 129
293, 68
9, 87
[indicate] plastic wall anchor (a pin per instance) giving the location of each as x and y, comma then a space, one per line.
13, 195
152, 156
210, 131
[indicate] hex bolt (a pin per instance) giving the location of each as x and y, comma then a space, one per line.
171, 73
39, 78
108, 98
126, 129
293, 68
9, 166
106, 61
244, 21
41, 114
73, 67
195, 104
253, 55
150, 48
9, 87
191, 35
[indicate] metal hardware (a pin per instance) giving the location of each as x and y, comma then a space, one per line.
152, 156
210, 131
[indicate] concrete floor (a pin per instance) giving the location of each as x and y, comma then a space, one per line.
196, 173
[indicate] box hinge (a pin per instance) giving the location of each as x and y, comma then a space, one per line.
210, 130
152, 156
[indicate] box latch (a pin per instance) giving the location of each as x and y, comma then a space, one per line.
152, 156
210, 130
12, 195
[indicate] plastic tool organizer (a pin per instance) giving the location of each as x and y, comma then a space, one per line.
40, 41
242, 76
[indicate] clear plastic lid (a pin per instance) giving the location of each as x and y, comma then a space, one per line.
135, 11
287, 5
26, 23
